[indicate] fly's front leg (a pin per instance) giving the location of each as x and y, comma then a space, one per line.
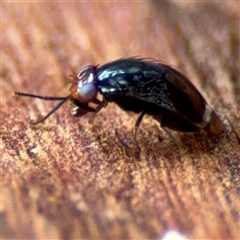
81, 109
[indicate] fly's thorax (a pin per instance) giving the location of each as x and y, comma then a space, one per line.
127, 77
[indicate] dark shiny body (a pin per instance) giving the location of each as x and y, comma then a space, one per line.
141, 86
156, 89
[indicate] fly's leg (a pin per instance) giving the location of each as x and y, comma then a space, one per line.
101, 105
140, 117
80, 109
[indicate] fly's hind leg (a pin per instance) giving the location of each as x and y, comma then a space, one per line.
161, 120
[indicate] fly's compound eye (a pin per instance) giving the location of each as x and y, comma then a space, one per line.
87, 92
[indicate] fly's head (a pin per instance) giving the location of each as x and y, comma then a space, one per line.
83, 89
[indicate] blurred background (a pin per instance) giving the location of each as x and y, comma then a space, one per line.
56, 184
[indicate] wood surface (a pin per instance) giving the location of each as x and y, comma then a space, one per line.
80, 178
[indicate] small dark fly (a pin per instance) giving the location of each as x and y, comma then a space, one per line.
143, 87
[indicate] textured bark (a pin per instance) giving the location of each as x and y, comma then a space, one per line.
79, 178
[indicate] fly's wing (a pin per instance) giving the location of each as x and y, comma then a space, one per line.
184, 85
170, 90
173, 91
185, 97
188, 101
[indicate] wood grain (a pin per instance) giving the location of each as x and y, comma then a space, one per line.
72, 178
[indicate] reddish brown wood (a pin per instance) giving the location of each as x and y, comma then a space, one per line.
72, 178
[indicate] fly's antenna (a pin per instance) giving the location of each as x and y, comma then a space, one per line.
45, 98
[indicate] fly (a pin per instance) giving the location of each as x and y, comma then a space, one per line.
143, 87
